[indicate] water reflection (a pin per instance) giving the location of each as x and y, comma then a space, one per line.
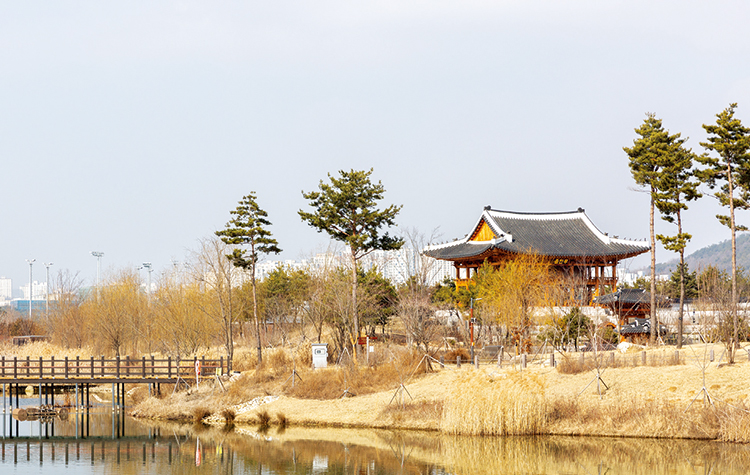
105, 441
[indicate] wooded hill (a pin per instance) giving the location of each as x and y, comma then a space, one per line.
718, 255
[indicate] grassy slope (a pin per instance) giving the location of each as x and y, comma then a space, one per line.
648, 401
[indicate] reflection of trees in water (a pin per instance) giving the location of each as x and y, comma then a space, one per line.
174, 448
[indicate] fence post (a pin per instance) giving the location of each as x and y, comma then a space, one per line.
153, 369
127, 365
458, 361
500, 357
203, 364
117, 371
15, 367
41, 368
169, 367
583, 359
92, 367
66, 367
221, 364
52, 365
676, 357
78, 367
476, 361
102, 365
711, 355
523, 360
552, 359
3, 367
643, 358
28, 366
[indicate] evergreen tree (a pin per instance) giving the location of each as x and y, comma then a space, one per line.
649, 156
730, 171
346, 209
249, 235
676, 185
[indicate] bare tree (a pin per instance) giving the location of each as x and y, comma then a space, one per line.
217, 275
66, 322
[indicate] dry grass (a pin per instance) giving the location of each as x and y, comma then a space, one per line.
642, 401
512, 404
450, 356
200, 413
264, 418
228, 415
281, 419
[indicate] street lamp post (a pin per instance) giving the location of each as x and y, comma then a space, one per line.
98, 256
147, 265
31, 285
48, 265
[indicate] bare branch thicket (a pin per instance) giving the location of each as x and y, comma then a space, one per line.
217, 278
117, 313
181, 327
415, 309
67, 322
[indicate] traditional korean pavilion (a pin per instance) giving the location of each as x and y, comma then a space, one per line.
575, 247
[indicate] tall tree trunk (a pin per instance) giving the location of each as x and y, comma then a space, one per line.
255, 315
654, 324
735, 324
682, 284
229, 319
355, 316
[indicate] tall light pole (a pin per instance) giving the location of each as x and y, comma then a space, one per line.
98, 256
31, 285
48, 265
147, 265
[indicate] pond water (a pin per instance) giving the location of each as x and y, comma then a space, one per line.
102, 441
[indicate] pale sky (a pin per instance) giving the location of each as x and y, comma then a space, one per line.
133, 128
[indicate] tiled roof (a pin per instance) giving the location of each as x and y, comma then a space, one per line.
566, 234
630, 297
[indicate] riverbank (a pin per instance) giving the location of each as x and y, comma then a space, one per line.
644, 401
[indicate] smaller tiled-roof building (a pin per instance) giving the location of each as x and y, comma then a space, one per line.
630, 304
574, 245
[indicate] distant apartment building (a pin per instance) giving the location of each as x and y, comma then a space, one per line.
39, 291
6, 289
396, 266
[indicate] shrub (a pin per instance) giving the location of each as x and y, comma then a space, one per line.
200, 413
228, 415
450, 357
264, 419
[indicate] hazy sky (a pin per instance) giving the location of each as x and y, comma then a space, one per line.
133, 128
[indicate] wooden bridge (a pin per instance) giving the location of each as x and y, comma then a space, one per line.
68, 371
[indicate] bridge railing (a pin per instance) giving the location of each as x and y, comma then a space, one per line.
107, 368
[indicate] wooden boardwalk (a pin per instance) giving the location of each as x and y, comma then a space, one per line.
63, 371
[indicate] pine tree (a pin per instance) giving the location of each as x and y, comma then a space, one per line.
248, 230
730, 140
676, 185
346, 209
648, 156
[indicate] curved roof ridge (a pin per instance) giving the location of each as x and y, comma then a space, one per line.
538, 213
